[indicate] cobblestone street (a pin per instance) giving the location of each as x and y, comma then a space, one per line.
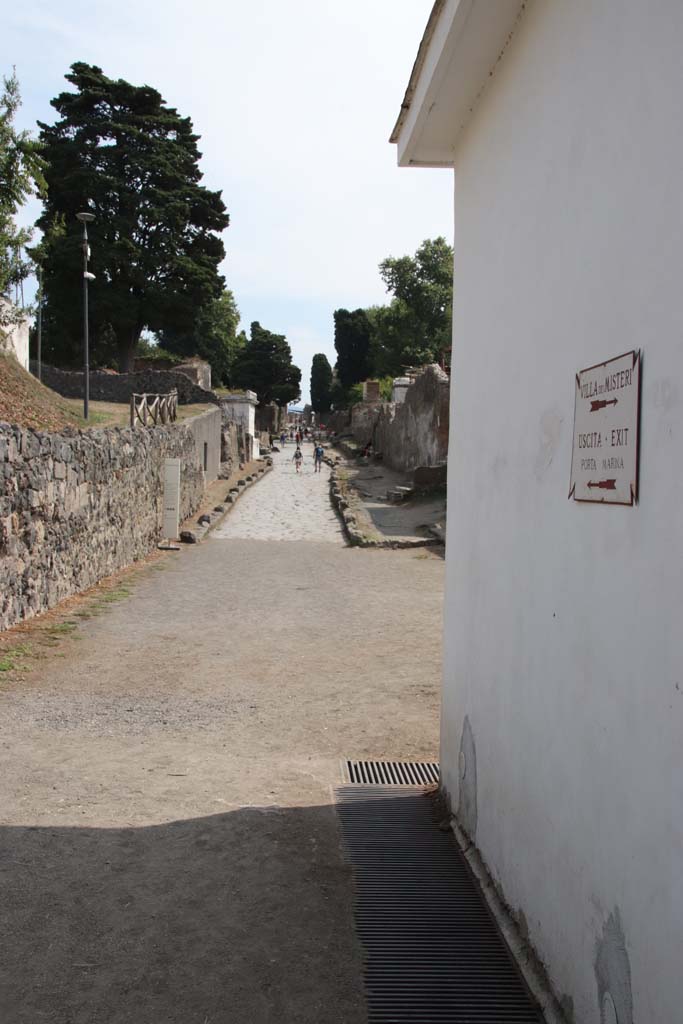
286, 505
170, 851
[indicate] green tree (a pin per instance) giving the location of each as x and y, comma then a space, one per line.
321, 383
214, 337
415, 328
21, 175
118, 150
265, 366
352, 334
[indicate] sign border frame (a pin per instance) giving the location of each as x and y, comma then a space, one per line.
637, 354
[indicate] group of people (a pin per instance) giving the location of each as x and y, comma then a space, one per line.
298, 436
295, 435
318, 453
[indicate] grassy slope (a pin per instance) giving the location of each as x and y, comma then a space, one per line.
26, 402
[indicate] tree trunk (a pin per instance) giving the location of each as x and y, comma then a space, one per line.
127, 347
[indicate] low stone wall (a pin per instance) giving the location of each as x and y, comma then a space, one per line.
77, 506
118, 387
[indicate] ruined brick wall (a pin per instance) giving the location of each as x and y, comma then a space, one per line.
77, 506
118, 387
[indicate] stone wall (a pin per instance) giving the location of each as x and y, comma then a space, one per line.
409, 433
118, 387
338, 422
77, 506
364, 419
415, 432
232, 448
238, 445
270, 419
199, 372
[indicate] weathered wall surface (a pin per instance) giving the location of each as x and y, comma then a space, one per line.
14, 337
77, 506
414, 432
338, 422
240, 409
237, 443
411, 433
270, 419
199, 372
364, 419
118, 387
206, 430
563, 697
232, 448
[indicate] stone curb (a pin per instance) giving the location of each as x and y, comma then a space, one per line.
210, 520
354, 534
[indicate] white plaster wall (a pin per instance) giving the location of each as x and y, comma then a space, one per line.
15, 338
564, 645
242, 411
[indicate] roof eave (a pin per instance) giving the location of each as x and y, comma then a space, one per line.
462, 44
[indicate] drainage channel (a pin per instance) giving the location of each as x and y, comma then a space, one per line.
393, 773
433, 950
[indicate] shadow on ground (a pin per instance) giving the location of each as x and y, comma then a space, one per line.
242, 917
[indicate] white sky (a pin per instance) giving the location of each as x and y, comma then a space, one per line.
295, 101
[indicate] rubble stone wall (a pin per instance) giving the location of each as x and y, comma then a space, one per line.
77, 506
118, 387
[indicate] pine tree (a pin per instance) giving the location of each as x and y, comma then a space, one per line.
265, 366
321, 383
352, 334
21, 175
119, 151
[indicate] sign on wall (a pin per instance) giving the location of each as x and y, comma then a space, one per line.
171, 517
606, 422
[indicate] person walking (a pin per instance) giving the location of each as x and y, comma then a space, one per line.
318, 453
297, 459
283, 439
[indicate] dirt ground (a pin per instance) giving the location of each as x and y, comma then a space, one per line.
117, 414
411, 520
168, 848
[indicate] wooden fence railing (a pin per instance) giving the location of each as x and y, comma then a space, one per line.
153, 409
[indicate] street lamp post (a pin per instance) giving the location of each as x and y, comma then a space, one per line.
85, 219
40, 321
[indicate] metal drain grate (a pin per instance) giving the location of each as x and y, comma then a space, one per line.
393, 773
433, 951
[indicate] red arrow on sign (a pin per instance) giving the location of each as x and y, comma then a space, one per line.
606, 485
601, 403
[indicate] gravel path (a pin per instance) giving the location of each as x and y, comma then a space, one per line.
168, 850
286, 505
